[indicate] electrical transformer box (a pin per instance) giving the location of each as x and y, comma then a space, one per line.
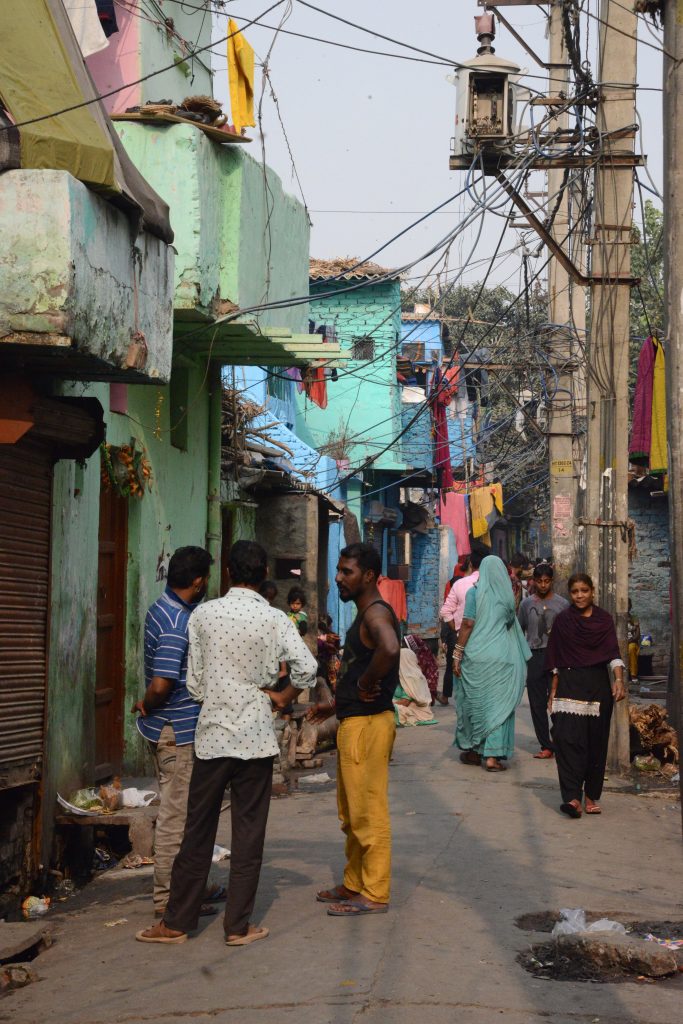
486, 106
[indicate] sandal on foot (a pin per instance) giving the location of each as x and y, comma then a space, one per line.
354, 908
338, 894
592, 808
155, 934
253, 934
544, 755
470, 757
571, 810
497, 767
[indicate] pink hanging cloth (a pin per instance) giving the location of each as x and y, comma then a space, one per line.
453, 513
440, 398
641, 423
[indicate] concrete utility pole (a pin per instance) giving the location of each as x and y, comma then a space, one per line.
567, 312
608, 410
673, 284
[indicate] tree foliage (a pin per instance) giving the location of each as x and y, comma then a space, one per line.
647, 298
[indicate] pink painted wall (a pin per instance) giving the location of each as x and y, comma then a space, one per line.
119, 63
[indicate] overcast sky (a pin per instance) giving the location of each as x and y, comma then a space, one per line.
371, 134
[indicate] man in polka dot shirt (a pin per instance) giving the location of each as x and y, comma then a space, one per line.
236, 646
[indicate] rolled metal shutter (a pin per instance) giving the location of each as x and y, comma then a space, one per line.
25, 500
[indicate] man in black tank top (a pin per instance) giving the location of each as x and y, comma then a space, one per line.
367, 680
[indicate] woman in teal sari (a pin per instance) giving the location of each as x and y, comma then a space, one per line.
490, 664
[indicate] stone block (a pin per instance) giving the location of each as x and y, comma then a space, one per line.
613, 952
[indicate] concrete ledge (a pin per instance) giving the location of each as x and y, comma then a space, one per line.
73, 267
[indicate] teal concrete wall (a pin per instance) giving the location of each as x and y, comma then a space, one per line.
229, 248
69, 745
365, 400
68, 268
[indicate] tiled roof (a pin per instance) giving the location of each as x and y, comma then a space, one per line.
347, 268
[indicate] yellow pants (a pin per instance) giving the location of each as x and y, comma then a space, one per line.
633, 650
364, 746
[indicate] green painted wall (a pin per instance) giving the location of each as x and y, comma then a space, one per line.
172, 513
227, 244
224, 248
158, 49
365, 400
69, 749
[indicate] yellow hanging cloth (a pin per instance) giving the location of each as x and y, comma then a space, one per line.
658, 451
481, 505
240, 78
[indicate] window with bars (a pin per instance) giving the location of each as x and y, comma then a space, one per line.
363, 348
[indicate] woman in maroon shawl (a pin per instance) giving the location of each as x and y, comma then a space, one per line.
587, 677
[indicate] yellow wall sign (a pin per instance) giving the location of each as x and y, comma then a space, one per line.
562, 467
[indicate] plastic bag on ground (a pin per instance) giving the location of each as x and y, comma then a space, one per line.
573, 922
605, 925
220, 853
137, 797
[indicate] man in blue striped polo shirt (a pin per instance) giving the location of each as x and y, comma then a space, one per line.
168, 715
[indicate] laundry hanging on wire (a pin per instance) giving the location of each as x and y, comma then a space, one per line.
240, 78
648, 425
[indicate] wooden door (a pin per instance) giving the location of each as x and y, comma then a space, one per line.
111, 624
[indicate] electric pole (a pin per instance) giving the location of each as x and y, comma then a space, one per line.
567, 314
673, 284
605, 523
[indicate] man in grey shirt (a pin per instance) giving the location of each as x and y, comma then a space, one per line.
536, 615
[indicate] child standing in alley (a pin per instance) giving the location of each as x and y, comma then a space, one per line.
296, 601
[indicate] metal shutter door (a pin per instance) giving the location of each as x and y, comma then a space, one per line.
25, 500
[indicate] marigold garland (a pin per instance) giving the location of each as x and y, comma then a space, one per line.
125, 469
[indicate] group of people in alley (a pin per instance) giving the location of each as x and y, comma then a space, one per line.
565, 652
217, 671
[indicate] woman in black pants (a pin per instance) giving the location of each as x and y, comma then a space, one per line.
587, 677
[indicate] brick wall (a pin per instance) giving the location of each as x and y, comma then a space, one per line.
650, 574
424, 588
17, 807
416, 443
375, 412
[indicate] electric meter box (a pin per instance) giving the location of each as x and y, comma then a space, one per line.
485, 113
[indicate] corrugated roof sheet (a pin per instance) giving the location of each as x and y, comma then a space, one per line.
346, 268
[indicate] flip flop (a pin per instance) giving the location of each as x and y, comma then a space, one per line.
570, 810
335, 895
594, 809
544, 755
496, 768
152, 935
246, 940
354, 908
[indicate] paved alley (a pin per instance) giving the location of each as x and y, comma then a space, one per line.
472, 852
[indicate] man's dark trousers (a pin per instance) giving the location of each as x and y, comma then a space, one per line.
538, 681
250, 791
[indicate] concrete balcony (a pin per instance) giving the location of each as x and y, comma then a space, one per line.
82, 295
